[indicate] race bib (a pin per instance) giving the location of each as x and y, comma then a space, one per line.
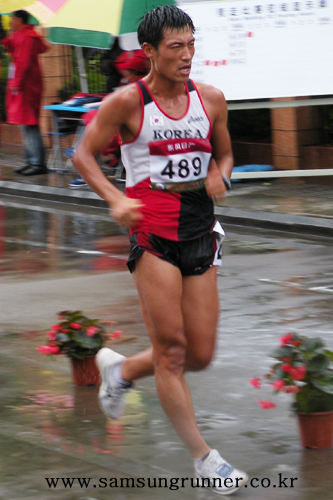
179, 164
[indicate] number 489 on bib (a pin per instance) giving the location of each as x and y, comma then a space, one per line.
183, 169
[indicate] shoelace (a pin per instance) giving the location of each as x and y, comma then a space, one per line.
215, 462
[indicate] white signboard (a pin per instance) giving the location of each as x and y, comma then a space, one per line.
254, 49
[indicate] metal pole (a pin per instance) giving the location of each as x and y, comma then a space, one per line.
324, 101
82, 70
282, 173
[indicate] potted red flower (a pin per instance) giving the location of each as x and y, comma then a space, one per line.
79, 338
303, 368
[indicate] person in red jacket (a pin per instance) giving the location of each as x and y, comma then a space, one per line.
24, 89
2, 36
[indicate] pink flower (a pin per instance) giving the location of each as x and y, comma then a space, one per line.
55, 350
255, 382
116, 334
43, 349
91, 331
52, 335
302, 372
286, 339
266, 405
292, 389
47, 349
286, 367
298, 373
293, 373
76, 326
55, 328
278, 385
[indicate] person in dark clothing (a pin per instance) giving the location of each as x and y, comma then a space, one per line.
108, 68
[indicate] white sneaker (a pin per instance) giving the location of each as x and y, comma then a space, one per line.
220, 475
111, 395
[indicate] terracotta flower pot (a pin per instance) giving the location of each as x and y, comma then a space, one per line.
85, 371
316, 429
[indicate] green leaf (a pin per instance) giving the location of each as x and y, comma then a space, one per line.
282, 351
64, 314
325, 385
77, 317
311, 400
318, 363
87, 342
62, 337
312, 345
329, 354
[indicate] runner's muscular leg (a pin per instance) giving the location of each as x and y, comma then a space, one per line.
141, 364
200, 307
160, 287
200, 311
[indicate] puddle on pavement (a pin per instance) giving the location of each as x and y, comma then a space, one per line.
318, 283
64, 415
241, 247
59, 424
44, 241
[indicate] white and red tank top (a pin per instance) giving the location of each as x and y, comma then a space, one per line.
166, 167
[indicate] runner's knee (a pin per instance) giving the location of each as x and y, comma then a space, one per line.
198, 360
171, 357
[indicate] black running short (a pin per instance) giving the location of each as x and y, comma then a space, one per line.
192, 257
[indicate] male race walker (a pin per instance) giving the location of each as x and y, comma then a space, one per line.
177, 153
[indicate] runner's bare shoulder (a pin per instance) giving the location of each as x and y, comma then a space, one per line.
209, 91
212, 98
121, 104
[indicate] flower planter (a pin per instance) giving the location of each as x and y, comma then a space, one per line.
316, 429
85, 371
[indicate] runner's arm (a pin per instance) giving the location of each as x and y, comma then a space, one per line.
108, 121
222, 158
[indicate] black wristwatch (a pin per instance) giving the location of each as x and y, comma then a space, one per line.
226, 181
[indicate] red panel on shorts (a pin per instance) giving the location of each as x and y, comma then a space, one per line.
161, 211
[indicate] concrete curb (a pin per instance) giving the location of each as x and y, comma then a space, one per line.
46, 193
300, 224
276, 221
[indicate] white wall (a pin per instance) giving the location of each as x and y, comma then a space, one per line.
251, 53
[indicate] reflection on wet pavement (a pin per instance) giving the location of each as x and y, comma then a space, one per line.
44, 240
296, 197
269, 285
52, 179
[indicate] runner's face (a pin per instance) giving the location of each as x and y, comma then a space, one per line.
174, 55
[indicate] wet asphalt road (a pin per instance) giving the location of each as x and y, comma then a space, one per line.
56, 257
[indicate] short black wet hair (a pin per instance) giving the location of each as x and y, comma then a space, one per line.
22, 14
152, 26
